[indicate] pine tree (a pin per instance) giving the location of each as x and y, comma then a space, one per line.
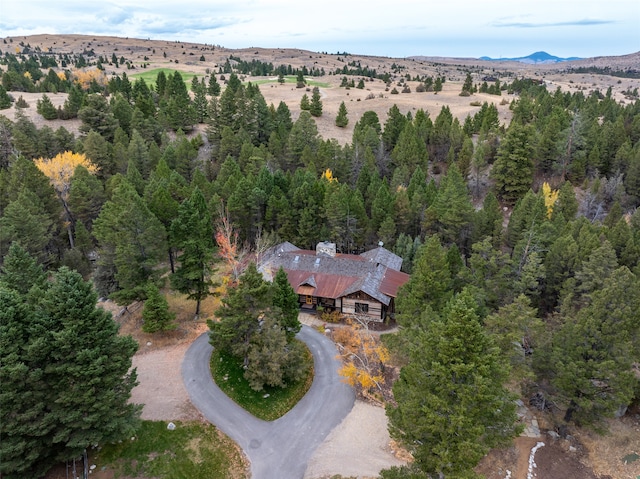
513, 168
341, 119
451, 211
593, 353
271, 360
131, 242
304, 103
192, 234
467, 87
451, 403
214, 87
240, 314
156, 314
409, 151
67, 371
252, 331
315, 107
96, 115
430, 283
394, 125
5, 99
20, 271
286, 299
86, 196
25, 222
515, 328
46, 108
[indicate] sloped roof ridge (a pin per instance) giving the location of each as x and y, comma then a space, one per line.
370, 284
383, 256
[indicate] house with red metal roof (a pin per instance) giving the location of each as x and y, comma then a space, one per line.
364, 284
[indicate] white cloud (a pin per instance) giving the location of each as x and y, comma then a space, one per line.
454, 28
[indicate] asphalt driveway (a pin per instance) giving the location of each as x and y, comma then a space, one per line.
279, 449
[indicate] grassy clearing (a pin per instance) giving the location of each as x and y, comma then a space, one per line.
150, 76
193, 450
291, 79
279, 401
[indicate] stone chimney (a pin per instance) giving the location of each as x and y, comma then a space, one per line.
325, 247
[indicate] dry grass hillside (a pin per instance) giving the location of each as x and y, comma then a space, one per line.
202, 59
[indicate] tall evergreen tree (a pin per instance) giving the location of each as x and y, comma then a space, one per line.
240, 314
593, 353
66, 377
451, 212
25, 222
430, 283
315, 106
251, 331
513, 168
20, 271
341, 119
131, 242
192, 234
452, 406
286, 299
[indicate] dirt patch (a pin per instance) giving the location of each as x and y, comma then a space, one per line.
359, 446
553, 461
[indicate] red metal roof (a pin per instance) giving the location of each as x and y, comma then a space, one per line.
327, 285
392, 281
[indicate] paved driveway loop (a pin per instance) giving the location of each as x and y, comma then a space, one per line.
279, 449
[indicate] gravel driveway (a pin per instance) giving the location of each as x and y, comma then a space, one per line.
282, 448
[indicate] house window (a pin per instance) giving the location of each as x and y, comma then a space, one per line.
362, 308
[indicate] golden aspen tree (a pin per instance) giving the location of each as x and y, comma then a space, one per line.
550, 198
59, 170
328, 175
83, 78
363, 356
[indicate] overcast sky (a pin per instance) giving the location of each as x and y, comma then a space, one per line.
395, 28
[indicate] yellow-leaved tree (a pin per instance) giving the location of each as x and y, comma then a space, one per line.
59, 170
328, 175
550, 198
84, 78
362, 355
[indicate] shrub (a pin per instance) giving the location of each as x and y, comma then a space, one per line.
473, 103
156, 314
46, 108
394, 91
331, 316
421, 88
21, 103
406, 89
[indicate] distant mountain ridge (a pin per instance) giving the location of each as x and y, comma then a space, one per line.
534, 59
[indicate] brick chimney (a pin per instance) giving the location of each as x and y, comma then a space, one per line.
325, 247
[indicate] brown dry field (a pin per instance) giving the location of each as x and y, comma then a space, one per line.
454, 70
160, 356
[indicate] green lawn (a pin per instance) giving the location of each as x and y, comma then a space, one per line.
279, 400
193, 450
150, 76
